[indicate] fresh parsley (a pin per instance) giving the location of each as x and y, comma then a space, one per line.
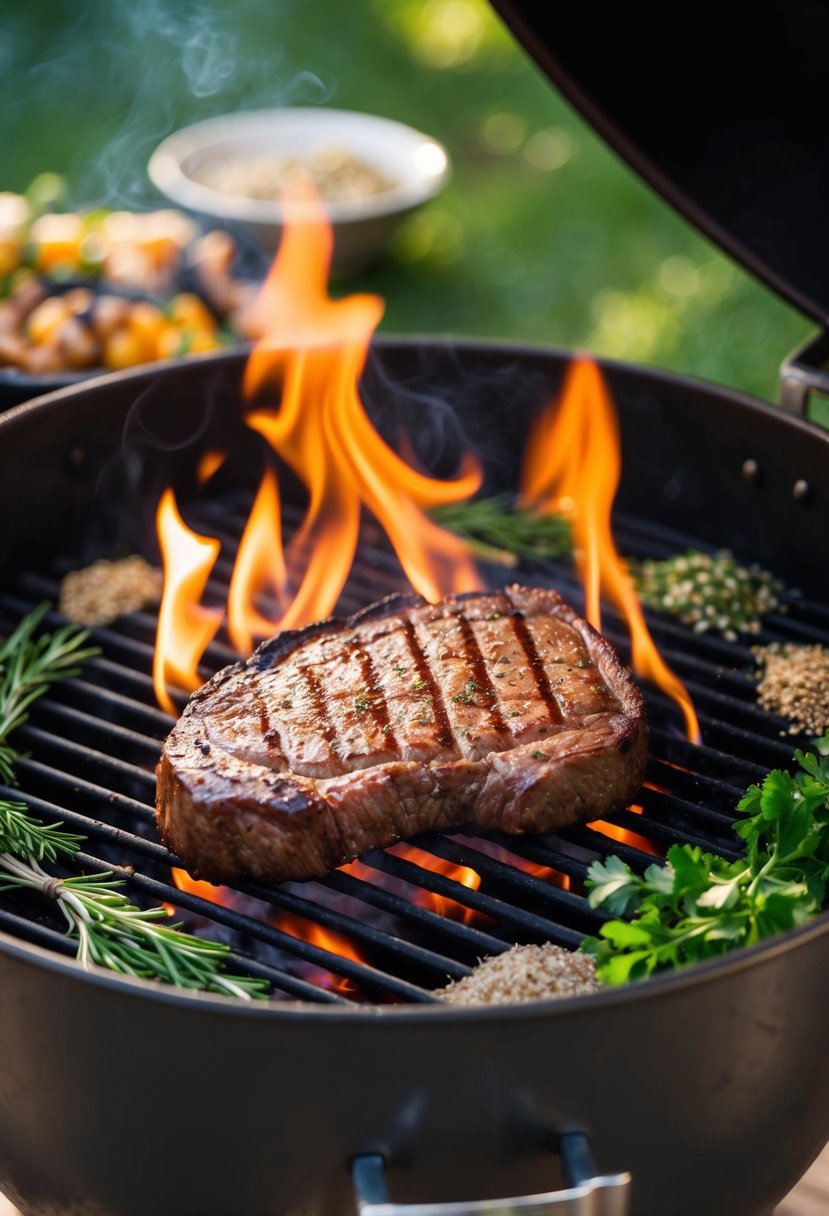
698, 905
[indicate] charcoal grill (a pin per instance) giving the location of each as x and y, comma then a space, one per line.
708, 1086
369, 1063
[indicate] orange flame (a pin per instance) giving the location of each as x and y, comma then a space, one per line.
185, 628
573, 465
259, 566
315, 349
313, 352
442, 905
208, 464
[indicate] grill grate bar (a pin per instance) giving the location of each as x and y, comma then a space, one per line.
660, 801
675, 749
101, 761
550, 850
365, 934
367, 977
666, 831
570, 907
727, 795
78, 756
465, 936
76, 788
36, 933
151, 722
777, 628
75, 723
277, 896
529, 923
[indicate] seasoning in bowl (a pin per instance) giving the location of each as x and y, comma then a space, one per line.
337, 174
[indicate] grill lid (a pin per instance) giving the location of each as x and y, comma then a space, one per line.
719, 107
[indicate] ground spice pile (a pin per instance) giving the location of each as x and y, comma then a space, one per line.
105, 591
708, 591
794, 684
524, 973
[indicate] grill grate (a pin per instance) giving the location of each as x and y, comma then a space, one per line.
93, 743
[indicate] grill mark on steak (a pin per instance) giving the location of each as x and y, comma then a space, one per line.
443, 731
542, 683
270, 733
480, 676
378, 705
324, 722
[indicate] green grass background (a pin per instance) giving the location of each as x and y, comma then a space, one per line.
543, 234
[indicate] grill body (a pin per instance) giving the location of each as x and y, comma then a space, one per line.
709, 1086
711, 1090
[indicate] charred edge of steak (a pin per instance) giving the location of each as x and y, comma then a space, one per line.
228, 816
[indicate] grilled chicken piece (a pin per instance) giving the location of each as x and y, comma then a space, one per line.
501, 710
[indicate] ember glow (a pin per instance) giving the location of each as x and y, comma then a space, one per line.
201, 889
324, 939
572, 465
185, 627
634, 839
443, 905
295, 926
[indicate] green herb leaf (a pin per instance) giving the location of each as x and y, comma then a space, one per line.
499, 531
698, 905
613, 884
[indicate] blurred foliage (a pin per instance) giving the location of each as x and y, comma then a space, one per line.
542, 235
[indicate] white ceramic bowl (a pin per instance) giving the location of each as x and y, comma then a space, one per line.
415, 165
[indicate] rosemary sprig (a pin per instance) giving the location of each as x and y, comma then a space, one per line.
30, 663
111, 931
118, 935
497, 530
30, 838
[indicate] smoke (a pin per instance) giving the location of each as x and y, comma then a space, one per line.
89, 89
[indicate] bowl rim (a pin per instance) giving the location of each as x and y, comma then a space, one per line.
165, 166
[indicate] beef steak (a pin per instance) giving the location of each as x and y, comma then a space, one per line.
501, 710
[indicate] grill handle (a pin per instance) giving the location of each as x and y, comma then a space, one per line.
587, 1193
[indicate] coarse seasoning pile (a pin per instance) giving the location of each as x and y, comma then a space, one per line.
709, 592
525, 973
105, 591
794, 684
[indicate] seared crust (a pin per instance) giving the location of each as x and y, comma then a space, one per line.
501, 711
